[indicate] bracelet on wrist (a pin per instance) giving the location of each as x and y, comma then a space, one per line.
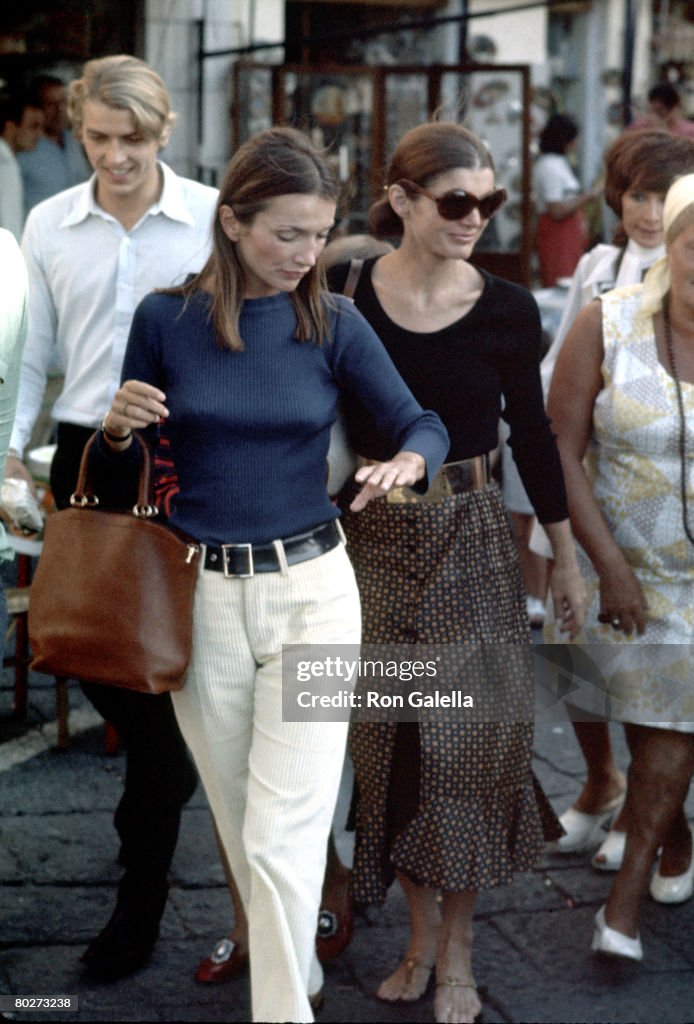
115, 438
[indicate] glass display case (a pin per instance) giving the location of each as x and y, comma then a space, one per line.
358, 113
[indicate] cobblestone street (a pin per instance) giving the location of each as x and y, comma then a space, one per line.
58, 872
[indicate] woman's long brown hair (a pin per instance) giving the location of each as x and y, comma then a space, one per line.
276, 162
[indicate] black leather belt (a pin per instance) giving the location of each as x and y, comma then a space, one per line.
245, 560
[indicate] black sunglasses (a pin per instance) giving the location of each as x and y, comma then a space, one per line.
457, 204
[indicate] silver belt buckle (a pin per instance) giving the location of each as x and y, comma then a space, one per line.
248, 548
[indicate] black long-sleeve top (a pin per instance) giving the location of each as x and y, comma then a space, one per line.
484, 366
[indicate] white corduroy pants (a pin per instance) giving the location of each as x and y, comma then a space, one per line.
272, 785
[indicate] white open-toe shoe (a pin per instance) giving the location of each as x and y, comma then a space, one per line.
613, 943
676, 888
610, 854
583, 830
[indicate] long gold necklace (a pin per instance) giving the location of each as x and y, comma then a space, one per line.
683, 423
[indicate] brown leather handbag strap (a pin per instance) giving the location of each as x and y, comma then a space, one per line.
353, 275
84, 496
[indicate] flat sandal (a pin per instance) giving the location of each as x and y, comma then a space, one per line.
456, 983
450, 982
411, 964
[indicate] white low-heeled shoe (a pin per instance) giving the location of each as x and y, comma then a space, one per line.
584, 830
613, 943
535, 608
677, 888
612, 849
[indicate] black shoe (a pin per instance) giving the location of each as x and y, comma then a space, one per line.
122, 947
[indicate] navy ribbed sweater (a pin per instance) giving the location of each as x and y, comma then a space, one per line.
250, 430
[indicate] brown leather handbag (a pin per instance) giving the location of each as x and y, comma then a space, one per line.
112, 596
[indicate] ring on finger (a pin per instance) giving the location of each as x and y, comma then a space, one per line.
125, 408
616, 623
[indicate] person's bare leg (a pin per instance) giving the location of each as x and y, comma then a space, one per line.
332, 862
411, 978
658, 783
611, 852
677, 844
239, 933
677, 848
229, 958
604, 780
456, 1000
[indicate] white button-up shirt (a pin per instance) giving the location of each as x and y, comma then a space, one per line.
86, 276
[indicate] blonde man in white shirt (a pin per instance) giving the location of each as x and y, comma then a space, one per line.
92, 252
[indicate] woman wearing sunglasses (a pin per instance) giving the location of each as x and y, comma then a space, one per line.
451, 807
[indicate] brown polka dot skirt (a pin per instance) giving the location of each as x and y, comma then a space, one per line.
446, 573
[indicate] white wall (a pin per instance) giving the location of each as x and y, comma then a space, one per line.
643, 57
171, 43
590, 94
614, 43
520, 38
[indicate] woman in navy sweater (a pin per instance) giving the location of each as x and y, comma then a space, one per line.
245, 363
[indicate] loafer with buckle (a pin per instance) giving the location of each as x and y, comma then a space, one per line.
226, 962
336, 917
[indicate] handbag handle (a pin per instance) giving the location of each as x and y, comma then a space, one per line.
353, 275
84, 496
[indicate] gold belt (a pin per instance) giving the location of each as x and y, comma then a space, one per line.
453, 478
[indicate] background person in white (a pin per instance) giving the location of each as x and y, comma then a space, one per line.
20, 130
13, 328
92, 253
561, 236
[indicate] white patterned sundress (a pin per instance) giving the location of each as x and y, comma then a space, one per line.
634, 465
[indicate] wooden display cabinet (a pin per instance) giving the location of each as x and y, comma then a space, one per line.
359, 112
